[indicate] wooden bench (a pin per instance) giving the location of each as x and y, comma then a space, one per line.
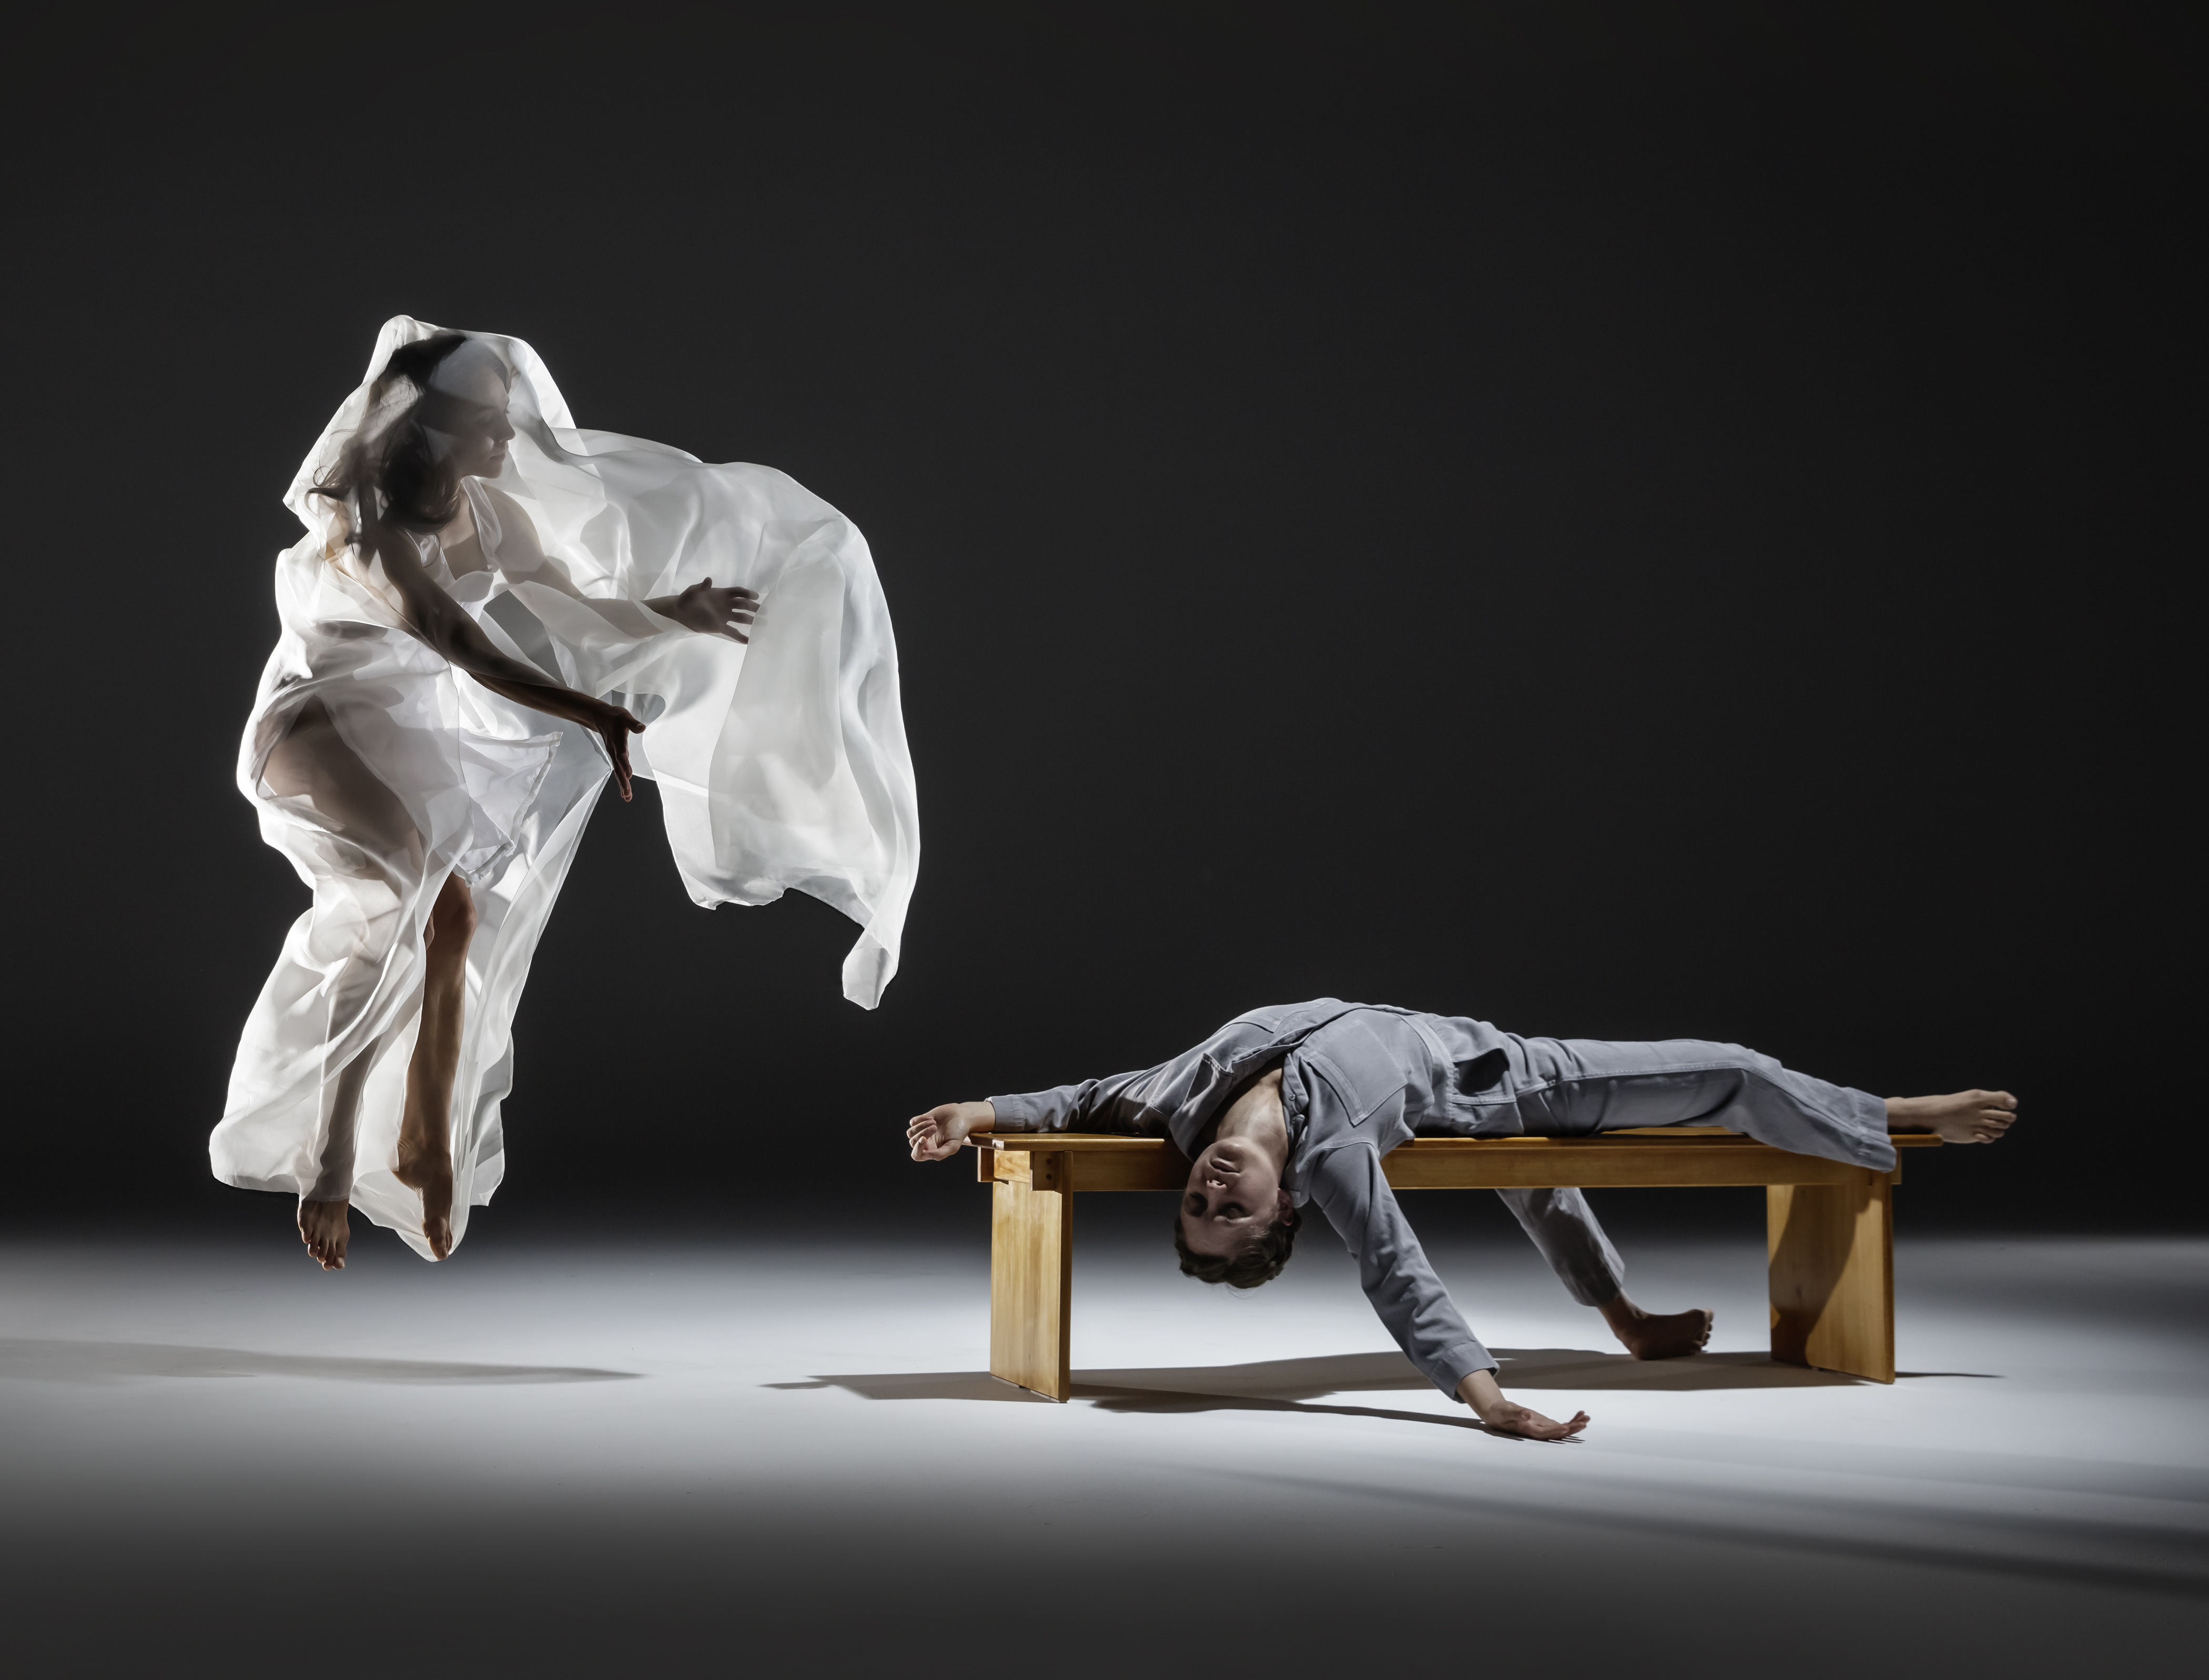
1829, 1227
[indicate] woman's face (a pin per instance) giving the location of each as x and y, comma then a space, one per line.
476, 414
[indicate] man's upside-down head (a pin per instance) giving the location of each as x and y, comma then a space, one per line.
1235, 1225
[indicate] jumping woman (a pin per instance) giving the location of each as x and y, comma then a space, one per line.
490, 609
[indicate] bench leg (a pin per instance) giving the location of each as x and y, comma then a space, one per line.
1032, 1288
1832, 1276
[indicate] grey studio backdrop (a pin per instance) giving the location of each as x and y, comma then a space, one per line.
1625, 522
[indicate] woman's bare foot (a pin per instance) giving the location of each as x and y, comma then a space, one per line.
324, 1229
1961, 1116
1478, 1390
430, 1170
1655, 1336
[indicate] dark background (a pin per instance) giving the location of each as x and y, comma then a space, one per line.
1624, 521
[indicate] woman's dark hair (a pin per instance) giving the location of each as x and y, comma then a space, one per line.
420, 492
1259, 1262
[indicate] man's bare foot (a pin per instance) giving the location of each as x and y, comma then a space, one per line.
1961, 1116
1478, 1390
430, 1170
324, 1229
1657, 1335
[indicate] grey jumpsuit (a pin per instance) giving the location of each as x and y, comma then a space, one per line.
1358, 1079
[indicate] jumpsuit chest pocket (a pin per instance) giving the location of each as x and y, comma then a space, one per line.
1361, 1070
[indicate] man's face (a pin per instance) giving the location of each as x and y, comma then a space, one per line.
1234, 1194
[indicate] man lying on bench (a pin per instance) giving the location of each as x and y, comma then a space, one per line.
1297, 1103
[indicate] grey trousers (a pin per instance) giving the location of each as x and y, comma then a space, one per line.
1575, 1086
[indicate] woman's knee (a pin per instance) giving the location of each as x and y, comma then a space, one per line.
453, 917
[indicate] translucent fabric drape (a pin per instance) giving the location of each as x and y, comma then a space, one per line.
780, 765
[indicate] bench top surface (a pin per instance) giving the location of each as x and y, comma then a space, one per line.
1643, 1136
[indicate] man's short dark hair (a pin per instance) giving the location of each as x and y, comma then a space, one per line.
1259, 1261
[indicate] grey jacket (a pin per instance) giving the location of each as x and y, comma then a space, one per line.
1357, 1080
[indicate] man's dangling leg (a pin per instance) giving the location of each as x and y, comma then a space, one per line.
1565, 1229
1563, 1226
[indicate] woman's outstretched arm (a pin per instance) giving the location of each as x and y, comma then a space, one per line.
436, 619
703, 608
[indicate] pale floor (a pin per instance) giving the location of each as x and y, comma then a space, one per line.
784, 1459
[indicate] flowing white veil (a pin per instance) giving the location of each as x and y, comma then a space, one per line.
782, 765
779, 764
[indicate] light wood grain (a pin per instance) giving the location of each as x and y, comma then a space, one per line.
1059, 1141
1019, 1166
1832, 1249
1901, 1140
1159, 1170
1427, 1163
1654, 1158
1031, 1280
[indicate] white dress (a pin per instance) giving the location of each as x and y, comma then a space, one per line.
779, 764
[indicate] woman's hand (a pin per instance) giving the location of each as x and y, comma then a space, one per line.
710, 611
612, 724
615, 725
936, 1135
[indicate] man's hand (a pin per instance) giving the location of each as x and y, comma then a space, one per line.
710, 611
1478, 1390
936, 1135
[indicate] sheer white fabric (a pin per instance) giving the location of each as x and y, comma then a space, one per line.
780, 765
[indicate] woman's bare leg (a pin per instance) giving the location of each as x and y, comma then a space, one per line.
325, 1230
323, 1226
426, 1145
369, 826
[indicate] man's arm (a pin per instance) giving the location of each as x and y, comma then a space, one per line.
1117, 1104
936, 1135
1349, 1186
1095, 1105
